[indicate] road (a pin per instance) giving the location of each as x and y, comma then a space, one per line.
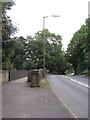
72, 92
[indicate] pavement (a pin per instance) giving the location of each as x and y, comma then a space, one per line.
19, 100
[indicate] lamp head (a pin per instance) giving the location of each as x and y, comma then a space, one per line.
55, 16
46, 16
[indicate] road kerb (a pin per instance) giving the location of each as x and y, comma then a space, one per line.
62, 101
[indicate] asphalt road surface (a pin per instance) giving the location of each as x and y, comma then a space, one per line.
72, 92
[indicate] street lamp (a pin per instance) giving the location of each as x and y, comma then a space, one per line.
44, 41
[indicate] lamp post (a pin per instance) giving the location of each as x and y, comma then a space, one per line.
44, 41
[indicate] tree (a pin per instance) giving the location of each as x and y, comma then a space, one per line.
7, 30
77, 51
54, 55
18, 57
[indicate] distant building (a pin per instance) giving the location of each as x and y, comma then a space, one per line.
89, 9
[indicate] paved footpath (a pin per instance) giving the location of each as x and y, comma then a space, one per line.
19, 100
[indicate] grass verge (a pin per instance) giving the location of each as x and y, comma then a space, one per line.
44, 83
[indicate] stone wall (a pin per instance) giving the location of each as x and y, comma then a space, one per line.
0, 77
5, 76
34, 76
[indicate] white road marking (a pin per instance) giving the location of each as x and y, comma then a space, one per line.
80, 83
62, 99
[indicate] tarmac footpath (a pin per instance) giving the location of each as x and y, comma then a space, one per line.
19, 100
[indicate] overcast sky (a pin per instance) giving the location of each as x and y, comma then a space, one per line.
28, 16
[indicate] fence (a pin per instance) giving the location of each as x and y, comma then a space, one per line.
17, 74
13, 74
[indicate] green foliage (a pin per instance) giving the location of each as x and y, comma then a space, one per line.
77, 52
54, 56
20, 53
28, 53
7, 27
7, 31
